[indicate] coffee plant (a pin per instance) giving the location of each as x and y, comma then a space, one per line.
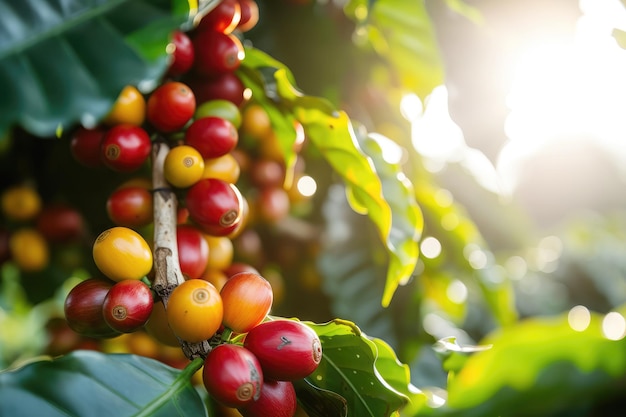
190, 227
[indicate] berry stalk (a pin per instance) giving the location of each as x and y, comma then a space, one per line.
167, 272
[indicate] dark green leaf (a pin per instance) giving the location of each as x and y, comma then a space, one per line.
319, 402
92, 384
350, 368
66, 62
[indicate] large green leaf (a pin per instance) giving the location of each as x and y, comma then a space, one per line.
401, 32
89, 383
66, 62
333, 135
406, 221
541, 366
357, 368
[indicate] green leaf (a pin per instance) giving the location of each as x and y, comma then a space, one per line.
540, 365
320, 402
89, 383
354, 367
63, 63
391, 208
407, 221
401, 32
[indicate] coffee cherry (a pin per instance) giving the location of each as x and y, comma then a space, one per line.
85, 147
182, 55
127, 306
130, 206
255, 123
121, 253
183, 166
237, 267
287, 350
216, 53
220, 108
232, 375
158, 327
83, 308
60, 223
249, 15
267, 173
171, 106
225, 86
125, 147
277, 399
272, 204
29, 250
221, 252
20, 203
193, 251
223, 18
195, 310
215, 206
247, 299
225, 168
212, 136
129, 108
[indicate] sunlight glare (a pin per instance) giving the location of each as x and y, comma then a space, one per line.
435, 135
614, 326
430, 247
567, 89
306, 185
579, 318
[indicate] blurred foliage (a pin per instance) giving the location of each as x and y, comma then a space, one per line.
477, 329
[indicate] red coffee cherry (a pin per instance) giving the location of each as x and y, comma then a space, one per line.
125, 147
130, 206
60, 223
216, 53
223, 18
182, 54
232, 375
225, 86
215, 205
193, 251
212, 136
287, 350
127, 306
249, 15
278, 399
83, 308
171, 106
85, 147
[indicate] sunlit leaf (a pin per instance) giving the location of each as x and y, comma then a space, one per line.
89, 383
539, 364
333, 135
66, 62
354, 367
401, 32
407, 221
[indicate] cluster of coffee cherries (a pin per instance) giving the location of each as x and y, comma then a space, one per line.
197, 112
31, 227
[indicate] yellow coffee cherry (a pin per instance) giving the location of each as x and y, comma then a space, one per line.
20, 203
129, 108
183, 166
121, 253
29, 250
